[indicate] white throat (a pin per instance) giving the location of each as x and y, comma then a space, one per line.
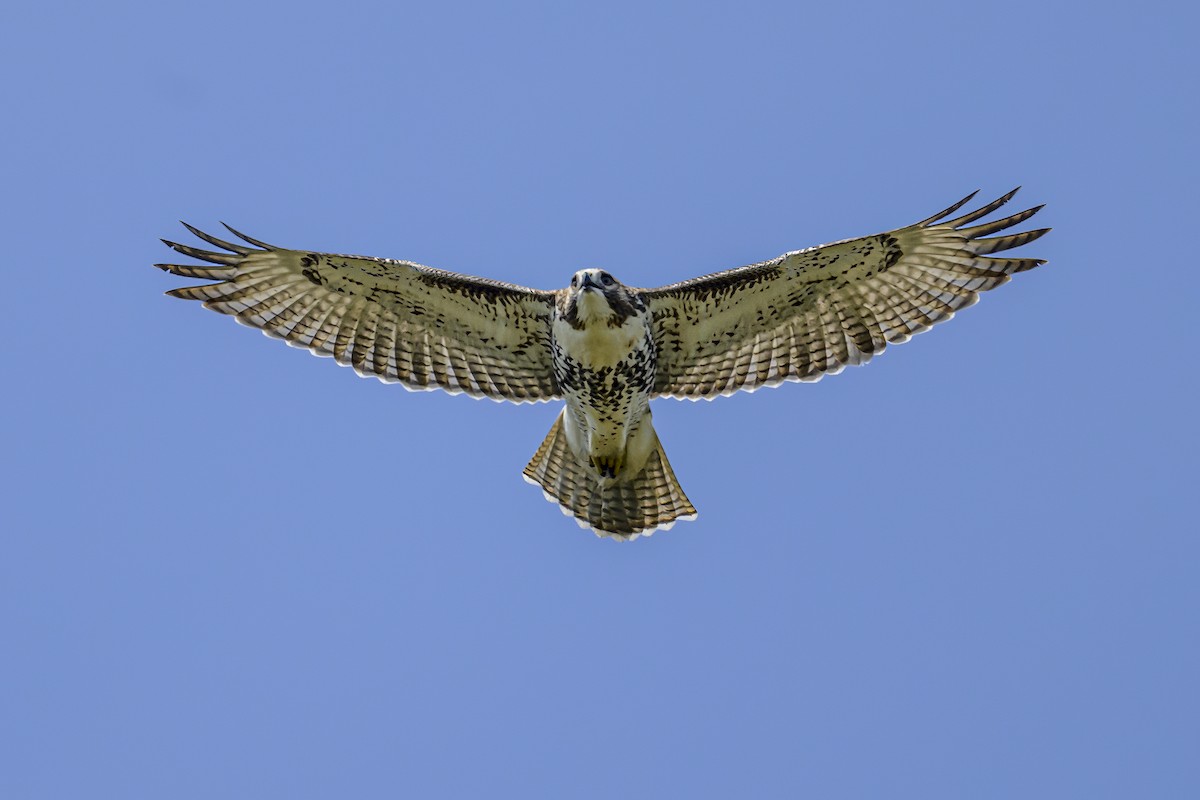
597, 343
592, 306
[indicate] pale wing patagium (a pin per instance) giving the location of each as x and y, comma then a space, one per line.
812, 312
395, 320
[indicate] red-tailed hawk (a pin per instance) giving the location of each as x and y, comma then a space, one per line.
607, 349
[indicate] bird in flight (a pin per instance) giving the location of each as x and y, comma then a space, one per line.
606, 349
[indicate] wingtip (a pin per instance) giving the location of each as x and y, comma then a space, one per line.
248, 239
936, 218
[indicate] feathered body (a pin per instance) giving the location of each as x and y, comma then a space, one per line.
604, 362
606, 349
614, 474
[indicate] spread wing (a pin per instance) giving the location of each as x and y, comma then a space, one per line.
394, 320
812, 312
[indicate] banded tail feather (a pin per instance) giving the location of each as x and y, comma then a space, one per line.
631, 506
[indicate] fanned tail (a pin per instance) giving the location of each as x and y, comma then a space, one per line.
650, 500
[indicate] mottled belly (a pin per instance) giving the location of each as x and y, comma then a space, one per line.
607, 404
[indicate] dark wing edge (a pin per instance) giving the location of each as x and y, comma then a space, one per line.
813, 312
397, 321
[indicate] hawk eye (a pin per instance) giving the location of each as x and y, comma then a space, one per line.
606, 279
574, 280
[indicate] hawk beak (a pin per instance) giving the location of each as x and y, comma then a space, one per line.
587, 282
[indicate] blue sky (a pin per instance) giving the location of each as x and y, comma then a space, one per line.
233, 570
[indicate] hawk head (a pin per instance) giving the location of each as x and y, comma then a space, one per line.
595, 296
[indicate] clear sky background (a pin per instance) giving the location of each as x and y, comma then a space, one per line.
232, 570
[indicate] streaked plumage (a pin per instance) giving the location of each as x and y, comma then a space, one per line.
607, 349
